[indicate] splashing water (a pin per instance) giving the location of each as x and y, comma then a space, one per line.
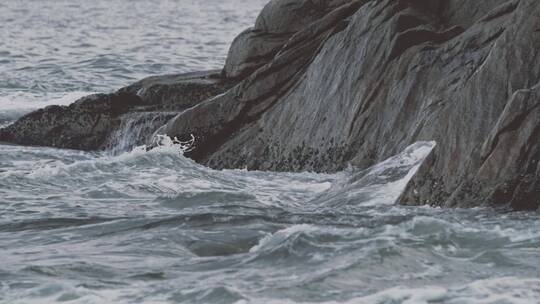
153, 226
136, 129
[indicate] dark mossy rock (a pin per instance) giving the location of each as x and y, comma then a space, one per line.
82, 125
88, 123
359, 82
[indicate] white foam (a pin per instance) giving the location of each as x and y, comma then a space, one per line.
167, 146
58, 292
511, 290
137, 128
508, 290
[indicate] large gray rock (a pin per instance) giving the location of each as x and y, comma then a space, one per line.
251, 50
361, 83
291, 16
276, 24
215, 121
504, 170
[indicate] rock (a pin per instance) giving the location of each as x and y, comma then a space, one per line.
214, 122
94, 122
179, 92
358, 88
251, 50
418, 35
83, 125
507, 167
489, 167
276, 24
291, 16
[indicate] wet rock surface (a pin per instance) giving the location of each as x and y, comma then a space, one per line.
82, 125
320, 85
387, 74
94, 122
179, 92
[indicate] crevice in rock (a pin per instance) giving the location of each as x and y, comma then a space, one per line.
416, 36
511, 126
500, 11
365, 104
532, 143
406, 21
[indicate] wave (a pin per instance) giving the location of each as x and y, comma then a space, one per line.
381, 184
182, 232
511, 290
50, 224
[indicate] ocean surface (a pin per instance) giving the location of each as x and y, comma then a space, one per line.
155, 227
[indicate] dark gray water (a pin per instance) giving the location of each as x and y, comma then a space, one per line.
154, 227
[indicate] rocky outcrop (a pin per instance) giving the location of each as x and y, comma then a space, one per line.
95, 122
317, 85
369, 78
82, 125
178, 92
275, 25
504, 169
214, 122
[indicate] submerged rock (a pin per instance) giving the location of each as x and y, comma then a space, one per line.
318, 85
